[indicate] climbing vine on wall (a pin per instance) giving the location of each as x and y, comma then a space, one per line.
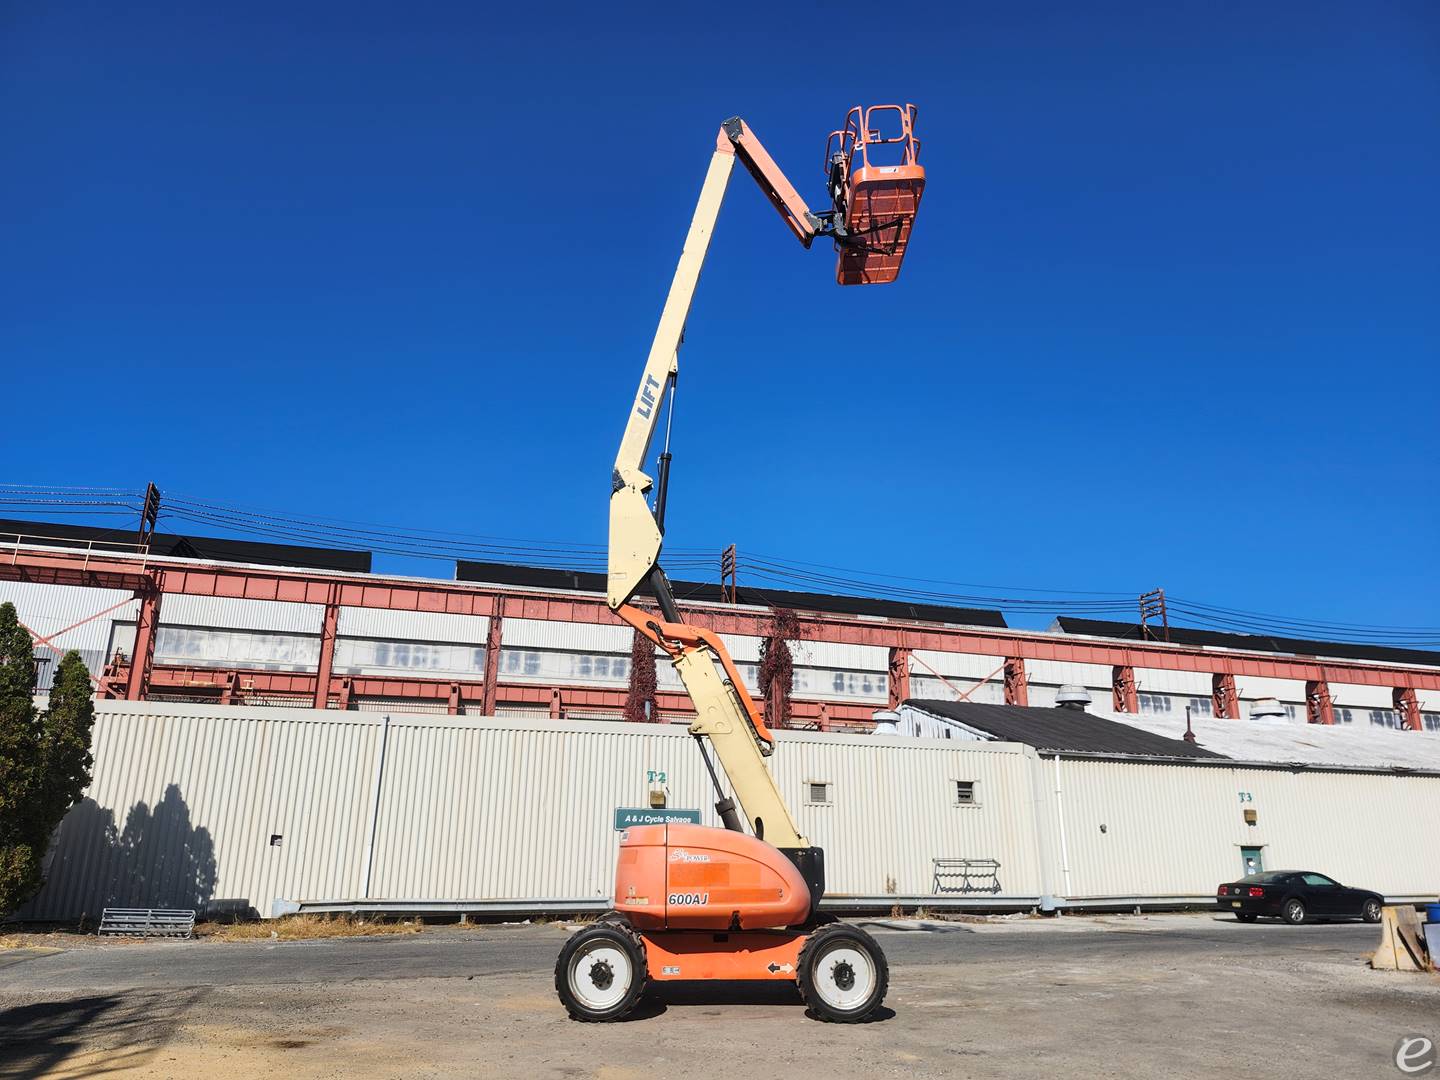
777, 667
640, 701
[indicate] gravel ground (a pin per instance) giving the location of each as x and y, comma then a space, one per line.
1116, 997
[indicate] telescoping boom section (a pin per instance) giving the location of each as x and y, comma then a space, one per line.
690, 903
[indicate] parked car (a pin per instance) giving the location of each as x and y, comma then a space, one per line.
1297, 896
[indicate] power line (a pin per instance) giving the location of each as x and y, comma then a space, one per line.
797, 575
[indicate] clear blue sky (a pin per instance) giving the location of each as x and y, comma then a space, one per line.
1170, 316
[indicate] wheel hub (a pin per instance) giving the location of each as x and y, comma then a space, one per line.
844, 976
600, 975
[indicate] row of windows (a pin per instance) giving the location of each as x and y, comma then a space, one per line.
297, 652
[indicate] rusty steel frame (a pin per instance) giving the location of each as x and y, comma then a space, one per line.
152, 578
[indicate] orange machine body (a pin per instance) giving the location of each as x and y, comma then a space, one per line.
707, 954
881, 181
694, 877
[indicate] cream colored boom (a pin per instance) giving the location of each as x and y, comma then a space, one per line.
725, 713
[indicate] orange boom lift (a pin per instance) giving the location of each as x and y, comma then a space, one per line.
740, 902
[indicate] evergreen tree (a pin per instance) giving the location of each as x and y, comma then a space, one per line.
44, 758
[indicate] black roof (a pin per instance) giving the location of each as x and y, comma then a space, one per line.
588, 581
1180, 635
1061, 729
200, 547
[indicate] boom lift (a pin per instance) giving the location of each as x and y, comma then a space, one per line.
692, 901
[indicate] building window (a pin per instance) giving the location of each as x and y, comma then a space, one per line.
817, 792
1200, 706
1156, 703
1385, 718
1431, 721
965, 793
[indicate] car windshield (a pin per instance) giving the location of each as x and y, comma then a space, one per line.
1267, 878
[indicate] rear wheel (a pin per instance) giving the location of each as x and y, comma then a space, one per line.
601, 973
1293, 912
842, 974
1370, 912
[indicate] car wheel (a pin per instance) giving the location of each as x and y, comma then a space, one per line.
1371, 911
1240, 916
1294, 912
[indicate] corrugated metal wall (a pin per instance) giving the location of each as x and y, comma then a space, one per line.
1175, 829
193, 803
48, 609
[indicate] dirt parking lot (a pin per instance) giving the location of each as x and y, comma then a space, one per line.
1168, 995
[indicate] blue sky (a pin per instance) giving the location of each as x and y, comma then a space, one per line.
1169, 317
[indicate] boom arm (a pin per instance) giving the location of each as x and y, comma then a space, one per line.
725, 713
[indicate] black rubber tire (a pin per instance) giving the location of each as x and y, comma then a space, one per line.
612, 918
816, 945
624, 938
1240, 916
1293, 912
1371, 910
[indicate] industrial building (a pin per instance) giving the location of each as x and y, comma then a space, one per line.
237, 622
278, 726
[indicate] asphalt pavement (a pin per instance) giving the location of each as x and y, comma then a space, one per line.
1132, 997
461, 952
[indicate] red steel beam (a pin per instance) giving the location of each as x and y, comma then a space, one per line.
1223, 699
1017, 686
327, 653
301, 685
1408, 706
143, 660
1122, 689
493, 641
463, 598
1319, 708
899, 675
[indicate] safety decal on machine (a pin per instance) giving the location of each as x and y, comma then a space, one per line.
670, 969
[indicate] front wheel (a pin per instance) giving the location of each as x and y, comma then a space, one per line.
1294, 912
1371, 911
601, 973
842, 974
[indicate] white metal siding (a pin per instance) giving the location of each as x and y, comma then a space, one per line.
955, 665
412, 625
1362, 697
1162, 681
46, 609
1178, 830
1061, 672
570, 637
231, 613
837, 654
186, 798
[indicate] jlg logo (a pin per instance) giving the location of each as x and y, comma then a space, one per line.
688, 899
